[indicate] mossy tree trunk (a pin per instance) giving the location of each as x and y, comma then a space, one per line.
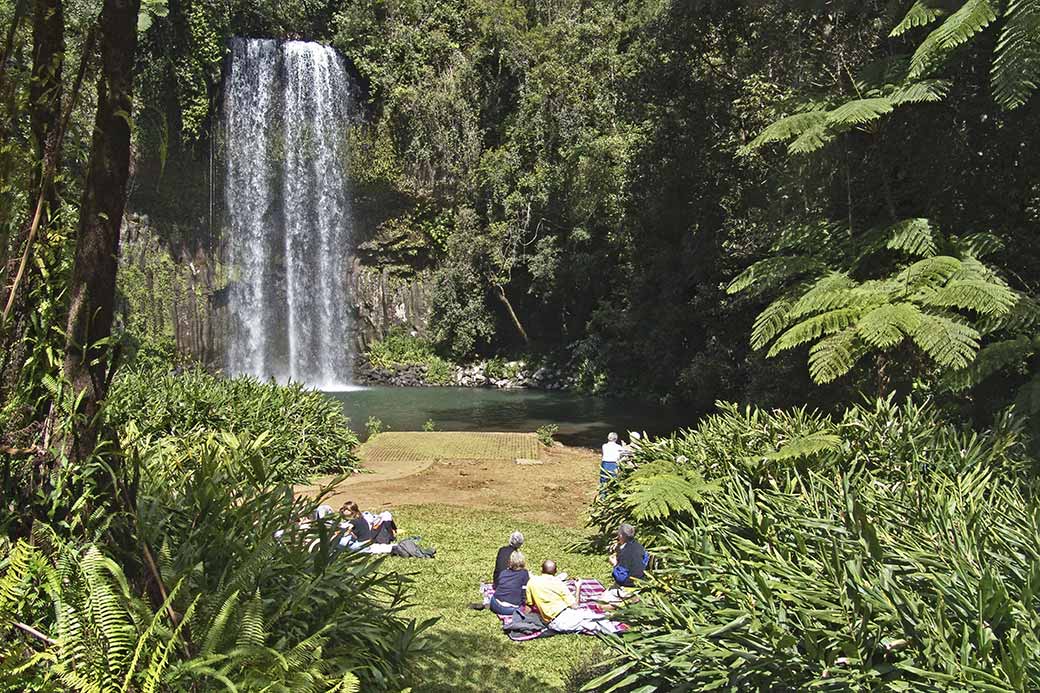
88, 357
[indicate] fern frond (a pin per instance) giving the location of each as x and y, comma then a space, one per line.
991, 359
1016, 67
971, 18
770, 322
251, 630
948, 342
786, 128
922, 91
830, 291
977, 295
887, 325
805, 446
815, 327
662, 495
932, 271
979, 245
770, 272
860, 111
215, 632
914, 237
833, 357
811, 140
348, 684
921, 14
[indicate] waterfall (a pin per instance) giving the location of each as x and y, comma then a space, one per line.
286, 113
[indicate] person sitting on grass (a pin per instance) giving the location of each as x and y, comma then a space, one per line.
548, 593
360, 530
509, 595
559, 608
630, 558
516, 540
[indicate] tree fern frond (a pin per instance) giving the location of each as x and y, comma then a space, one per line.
827, 293
805, 446
815, 327
771, 272
921, 91
811, 139
914, 237
991, 359
948, 342
785, 128
1016, 67
659, 496
971, 18
979, 245
923, 13
833, 357
859, 111
977, 295
770, 322
887, 325
932, 271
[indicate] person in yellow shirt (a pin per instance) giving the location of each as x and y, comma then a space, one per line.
549, 593
559, 608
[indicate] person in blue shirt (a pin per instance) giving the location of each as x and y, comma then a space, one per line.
630, 559
508, 598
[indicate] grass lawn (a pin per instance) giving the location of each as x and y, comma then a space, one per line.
471, 652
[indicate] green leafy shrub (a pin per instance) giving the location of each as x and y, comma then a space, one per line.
308, 432
401, 348
883, 551
429, 426
228, 606
374, 426
545, 434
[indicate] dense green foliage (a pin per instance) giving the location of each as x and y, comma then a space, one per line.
240, 609
882, 551
306, 431
400, 348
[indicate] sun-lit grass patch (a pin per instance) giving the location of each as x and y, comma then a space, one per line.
470, 651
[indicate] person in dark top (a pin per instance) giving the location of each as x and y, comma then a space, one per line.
508, 598
360, 529
516, 540
630, 559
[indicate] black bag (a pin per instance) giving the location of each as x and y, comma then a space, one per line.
409, 548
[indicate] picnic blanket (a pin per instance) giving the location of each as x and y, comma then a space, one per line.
588, 592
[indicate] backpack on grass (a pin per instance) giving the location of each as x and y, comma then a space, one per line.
409, 548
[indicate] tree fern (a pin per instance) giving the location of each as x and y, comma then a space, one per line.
957, 29
913, 237
660, 489
922, 13
1016, 67
805, 446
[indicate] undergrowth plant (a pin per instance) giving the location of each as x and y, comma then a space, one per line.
307, 432
222, 599
884, 550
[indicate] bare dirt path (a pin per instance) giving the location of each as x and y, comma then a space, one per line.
473, 470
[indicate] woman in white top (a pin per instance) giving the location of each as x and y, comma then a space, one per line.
611, 455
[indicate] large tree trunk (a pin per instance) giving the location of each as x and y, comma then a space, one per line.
93, 285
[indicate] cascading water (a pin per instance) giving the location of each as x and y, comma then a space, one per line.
287, 111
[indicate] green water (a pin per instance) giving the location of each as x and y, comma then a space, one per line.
582, 420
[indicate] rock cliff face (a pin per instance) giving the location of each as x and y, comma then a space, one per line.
382, 299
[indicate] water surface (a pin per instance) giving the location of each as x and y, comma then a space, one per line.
582, 420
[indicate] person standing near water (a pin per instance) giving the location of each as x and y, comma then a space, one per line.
611, 454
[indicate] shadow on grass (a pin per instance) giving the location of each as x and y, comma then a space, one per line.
465, 662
